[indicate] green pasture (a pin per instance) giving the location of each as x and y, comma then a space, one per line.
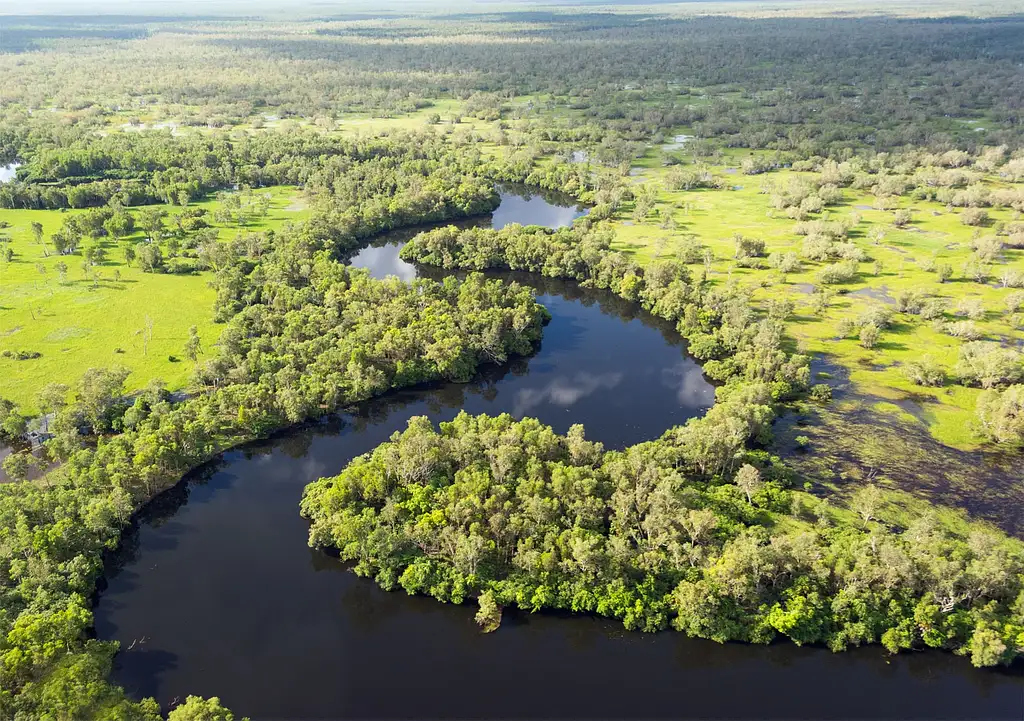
119, 316
936, 234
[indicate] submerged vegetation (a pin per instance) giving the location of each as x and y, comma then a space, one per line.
781, 190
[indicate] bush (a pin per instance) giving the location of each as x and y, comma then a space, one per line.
965, 329
971, 308
988, 365
821, 393
869, 335
933, 309
901, 218
924, 372
974, 216
748, 247
787, 263
842, 272
879, 316
1001, 414
910, 301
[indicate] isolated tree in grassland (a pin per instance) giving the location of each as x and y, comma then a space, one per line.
62, 271
37, 232
151, 220
193, 346
151, 259
120, 224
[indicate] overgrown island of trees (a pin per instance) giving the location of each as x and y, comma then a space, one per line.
127, 171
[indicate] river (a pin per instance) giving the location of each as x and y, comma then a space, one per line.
215, 592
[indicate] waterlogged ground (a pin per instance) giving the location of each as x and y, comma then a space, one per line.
860, 438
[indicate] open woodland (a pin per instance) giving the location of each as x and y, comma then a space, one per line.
828, 208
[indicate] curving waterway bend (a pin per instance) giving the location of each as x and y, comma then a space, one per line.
214, 591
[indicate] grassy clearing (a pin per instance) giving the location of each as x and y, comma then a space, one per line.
936, 235
80, 323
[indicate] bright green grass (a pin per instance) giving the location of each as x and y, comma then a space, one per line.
714, 216
79, 324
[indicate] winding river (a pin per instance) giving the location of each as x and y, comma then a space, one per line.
215, 592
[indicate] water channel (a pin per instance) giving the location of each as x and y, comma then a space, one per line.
215, 591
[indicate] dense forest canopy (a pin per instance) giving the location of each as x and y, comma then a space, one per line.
781, 83
514, 514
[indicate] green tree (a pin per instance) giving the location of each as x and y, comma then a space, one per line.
18, 465
197, 708
748, 479
193, 346
100, 392
489, 614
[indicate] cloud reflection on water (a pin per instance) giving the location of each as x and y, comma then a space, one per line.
564, 392
687, 380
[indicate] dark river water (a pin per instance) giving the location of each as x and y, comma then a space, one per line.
215, 591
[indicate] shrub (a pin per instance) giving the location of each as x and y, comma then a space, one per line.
988, 365
910, 301
965, 329
842, 272
845, 328
748, 247
1001, 414
786, 262
970, 308
933, 309
869, 335
821, 393
877, 315
924, 372
974, 216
